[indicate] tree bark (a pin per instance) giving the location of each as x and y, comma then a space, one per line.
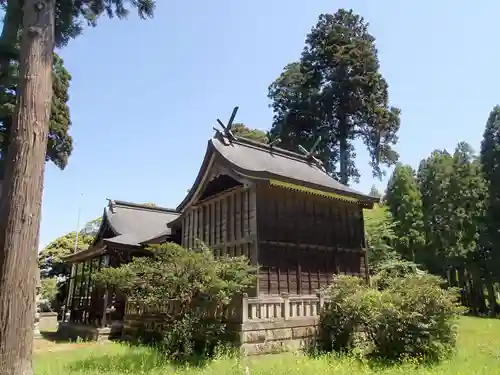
492, 298
20, 203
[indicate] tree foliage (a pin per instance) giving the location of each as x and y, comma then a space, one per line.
405, 316
195, 281
336, 91
405, 204
440, 220
60, 143
50, 258
240, 130
380, 236
70, 19
490, 160
172, 272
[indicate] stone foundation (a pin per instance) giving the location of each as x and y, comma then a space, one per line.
255, 338
276, 337
262, 325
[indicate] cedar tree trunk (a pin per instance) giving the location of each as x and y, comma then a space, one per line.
20, 203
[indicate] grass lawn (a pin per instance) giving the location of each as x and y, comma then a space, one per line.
478, 354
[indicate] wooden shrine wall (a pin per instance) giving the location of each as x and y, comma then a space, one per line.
305, 239
226, 223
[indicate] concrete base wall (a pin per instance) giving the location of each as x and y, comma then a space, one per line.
48, 322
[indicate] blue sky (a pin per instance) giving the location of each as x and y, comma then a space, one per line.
145, 94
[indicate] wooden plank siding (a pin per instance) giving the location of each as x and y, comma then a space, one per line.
300, 241
305, 239
225, 223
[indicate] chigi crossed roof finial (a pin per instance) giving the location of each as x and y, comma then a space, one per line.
226, 129
311, 154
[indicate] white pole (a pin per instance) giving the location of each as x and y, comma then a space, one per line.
77, 226
73, 265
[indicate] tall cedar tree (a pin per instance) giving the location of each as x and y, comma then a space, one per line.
405, 204
60, 143
20, 202
337, 91
434, 174
453, 196
490, 160
468, 201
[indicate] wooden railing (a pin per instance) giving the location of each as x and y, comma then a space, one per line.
246, 309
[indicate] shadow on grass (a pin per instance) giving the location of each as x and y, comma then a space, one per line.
138, 359
374, 362
483, 316
54, 336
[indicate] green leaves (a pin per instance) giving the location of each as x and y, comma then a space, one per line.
405, 204
71, 16
407, 316
453, 196
240, 130
490, 160
171, 272
337, 91
379, 230
70, 19
60, 143
50, 258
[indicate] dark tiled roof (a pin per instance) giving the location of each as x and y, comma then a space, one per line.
135, 224
257, 160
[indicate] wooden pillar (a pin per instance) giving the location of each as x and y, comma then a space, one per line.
223, 229
201, 224
254, 235
191, 230
214, 222
82, 284
237, 215
195, 226
87, 294
105, 308
73, 292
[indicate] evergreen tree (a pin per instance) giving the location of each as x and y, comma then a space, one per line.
337, 91
60, 143
405, 204
433, 176
490, 160
453, 196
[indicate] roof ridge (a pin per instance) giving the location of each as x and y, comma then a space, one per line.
141, 206
271, 149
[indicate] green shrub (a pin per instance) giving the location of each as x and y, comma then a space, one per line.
48, 293
407, 316
198, 284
